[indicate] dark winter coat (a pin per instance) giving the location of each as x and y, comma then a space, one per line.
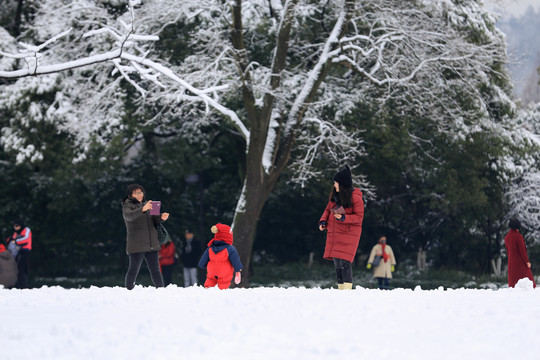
343, 235
8, 270
517, 258
191, 254
141, 229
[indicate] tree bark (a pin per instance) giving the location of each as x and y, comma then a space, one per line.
18, 20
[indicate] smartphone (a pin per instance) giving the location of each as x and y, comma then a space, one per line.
156, 208
339, 210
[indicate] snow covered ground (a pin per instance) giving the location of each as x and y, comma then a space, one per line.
269, 323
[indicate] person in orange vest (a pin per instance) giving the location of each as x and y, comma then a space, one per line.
20, 246
167, 261
221, 259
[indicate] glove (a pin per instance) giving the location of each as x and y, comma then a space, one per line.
368, 266
392, 268
238, 278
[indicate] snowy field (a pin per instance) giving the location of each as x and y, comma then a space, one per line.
270, 323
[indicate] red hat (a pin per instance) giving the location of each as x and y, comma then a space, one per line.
223, 233
2, 248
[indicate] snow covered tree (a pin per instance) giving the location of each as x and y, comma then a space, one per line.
282, 75
522, 166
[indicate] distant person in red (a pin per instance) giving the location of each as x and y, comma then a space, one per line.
221, 259
20, 246
519, 266
167, 261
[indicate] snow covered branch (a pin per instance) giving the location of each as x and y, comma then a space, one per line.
324, 139
126, 49
521, 166
54, 68
314, 76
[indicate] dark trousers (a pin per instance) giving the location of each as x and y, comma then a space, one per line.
343, 271
135, 261
384, 283
167, 271
23, 265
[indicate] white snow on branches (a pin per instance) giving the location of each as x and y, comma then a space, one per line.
523, 169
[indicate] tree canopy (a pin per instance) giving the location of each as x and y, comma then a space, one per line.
220, 108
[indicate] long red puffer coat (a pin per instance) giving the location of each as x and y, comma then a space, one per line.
517, 258
343, 236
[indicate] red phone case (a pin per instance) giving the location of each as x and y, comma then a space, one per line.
339, 210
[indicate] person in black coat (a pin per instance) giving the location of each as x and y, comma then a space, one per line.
191, 252
142, 237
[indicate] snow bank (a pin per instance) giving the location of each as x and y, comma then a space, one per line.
269, 323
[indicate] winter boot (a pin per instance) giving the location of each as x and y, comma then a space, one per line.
347, 286
340, 286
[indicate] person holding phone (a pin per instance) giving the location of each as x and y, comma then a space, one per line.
142, 236
342, 220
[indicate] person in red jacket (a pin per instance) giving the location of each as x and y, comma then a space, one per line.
21, 243
519, 266
167, 261
221, 259
342, 219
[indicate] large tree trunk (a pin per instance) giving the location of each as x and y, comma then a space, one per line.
245, 227
255, 192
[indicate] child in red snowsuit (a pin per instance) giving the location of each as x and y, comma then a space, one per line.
221, 259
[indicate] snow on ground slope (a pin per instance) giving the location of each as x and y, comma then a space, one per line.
269, 323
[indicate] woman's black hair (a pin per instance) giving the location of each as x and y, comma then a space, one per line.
514, 224
344, 195
131, 188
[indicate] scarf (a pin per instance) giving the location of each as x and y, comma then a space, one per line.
385, 256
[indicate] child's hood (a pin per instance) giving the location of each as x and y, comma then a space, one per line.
223, 233
218, 246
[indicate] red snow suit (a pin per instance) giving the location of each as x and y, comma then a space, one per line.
517, 258
343, 236
219, 270
221, 259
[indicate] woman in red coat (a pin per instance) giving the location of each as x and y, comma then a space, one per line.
519, 266
342, 219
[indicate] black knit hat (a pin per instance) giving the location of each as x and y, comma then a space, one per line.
514, 224
344, 177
